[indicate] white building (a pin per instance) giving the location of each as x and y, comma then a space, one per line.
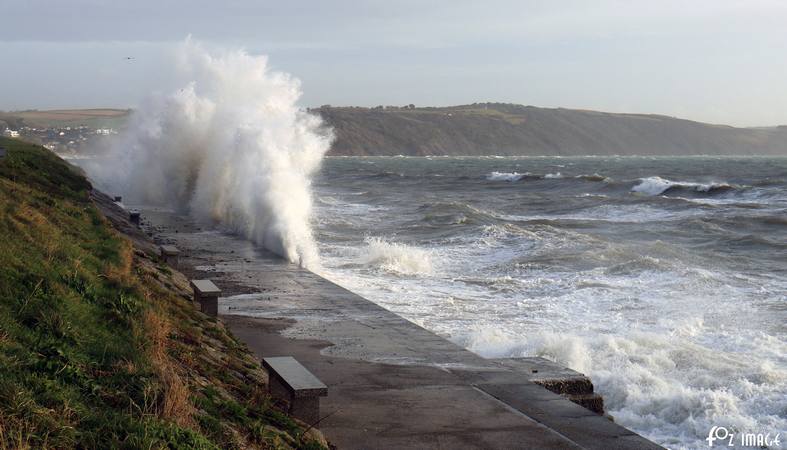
11, 133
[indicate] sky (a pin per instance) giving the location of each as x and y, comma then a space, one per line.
718, 61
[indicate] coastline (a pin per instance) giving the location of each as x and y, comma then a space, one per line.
392, 384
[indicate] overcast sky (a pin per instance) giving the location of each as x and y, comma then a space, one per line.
719, 61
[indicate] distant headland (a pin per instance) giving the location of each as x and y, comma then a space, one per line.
513, 130
475, 129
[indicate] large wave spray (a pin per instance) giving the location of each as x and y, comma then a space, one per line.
231, 147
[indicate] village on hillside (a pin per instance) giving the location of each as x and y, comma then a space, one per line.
66, 140
66, 132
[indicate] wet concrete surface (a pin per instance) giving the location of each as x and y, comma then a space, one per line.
391, 384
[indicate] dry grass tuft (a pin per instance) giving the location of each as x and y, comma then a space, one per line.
14, 434
34, 216
122, 271
176, 405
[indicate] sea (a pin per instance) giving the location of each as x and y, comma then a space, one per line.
662, 278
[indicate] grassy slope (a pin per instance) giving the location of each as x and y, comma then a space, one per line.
98, 347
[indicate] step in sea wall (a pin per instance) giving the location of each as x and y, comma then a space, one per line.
571, 384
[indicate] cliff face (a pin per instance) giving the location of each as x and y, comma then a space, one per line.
505, 129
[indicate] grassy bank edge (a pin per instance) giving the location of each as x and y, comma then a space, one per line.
99, 346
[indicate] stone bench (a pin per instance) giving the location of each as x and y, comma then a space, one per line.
170, 254
207, 295
133, 216
290, 381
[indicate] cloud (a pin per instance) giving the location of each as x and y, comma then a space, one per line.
713, 60
406, 22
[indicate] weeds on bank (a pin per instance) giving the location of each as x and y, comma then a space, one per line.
93, 354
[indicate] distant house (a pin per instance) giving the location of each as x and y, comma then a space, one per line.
11, 133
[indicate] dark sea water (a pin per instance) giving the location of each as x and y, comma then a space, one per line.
664, 279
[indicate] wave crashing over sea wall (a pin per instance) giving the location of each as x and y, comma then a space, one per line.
230, 147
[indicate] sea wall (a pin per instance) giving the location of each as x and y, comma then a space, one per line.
391, 383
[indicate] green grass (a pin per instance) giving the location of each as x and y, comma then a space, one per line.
66, 118
95, 354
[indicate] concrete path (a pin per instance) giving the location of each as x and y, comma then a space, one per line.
391, 384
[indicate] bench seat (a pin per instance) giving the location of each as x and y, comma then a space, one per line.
207, 294
169, 253
290, 381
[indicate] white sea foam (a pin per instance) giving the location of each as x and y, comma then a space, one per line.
506, 176
658, 186
677, 338
662, 382
667, 365
516, 176
230, 146
396, 257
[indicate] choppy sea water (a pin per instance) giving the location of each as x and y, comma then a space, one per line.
664, 279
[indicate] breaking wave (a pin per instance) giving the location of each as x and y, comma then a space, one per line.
395, 257
516, 176
661, 382
672, 305
657, 186
230, 147
506, 176
594, 177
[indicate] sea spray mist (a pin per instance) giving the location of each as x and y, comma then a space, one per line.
230, 147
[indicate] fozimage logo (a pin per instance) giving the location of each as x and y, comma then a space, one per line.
730, 439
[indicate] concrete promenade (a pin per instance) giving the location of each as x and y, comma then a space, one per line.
391, 384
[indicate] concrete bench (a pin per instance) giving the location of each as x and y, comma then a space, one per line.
170, 253
290, 381
133, 216
207, 294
